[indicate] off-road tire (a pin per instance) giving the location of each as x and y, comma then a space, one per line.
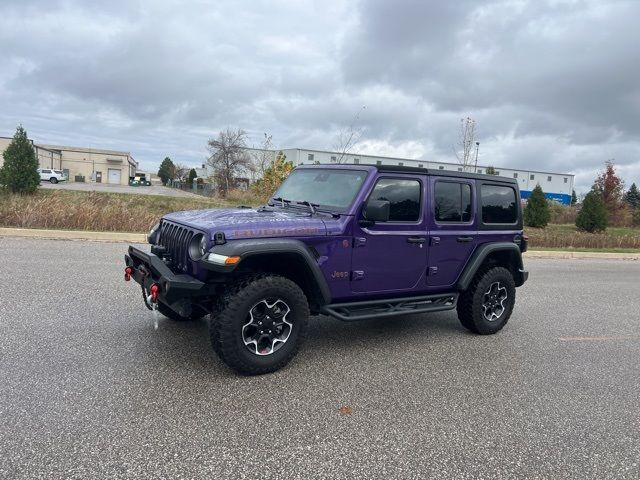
196, 313
470, 309
235, 304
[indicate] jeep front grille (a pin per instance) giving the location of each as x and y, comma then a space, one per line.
176, 239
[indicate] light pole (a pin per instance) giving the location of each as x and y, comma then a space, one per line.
475, 168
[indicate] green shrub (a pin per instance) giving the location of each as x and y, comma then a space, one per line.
593, 215
19, 173
537, 213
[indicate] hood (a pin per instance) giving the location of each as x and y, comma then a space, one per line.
238, 223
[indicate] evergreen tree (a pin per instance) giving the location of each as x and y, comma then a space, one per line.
632, 197
593, 214
611, 188
537, 212
274, 175
192, 176
19, 173
574, 197
491, 170
166, 167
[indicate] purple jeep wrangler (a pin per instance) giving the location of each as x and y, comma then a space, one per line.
349, 241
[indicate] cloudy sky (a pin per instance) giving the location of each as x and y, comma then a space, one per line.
552, 84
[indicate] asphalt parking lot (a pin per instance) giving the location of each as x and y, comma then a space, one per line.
89, 389
106, 187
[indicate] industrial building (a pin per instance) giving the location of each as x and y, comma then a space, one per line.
82, 164
556, 186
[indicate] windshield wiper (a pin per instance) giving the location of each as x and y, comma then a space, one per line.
312, 206
283, 201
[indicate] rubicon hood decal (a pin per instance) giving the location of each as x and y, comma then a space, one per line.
250, 223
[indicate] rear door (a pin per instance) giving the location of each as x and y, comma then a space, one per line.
392, 256
453, 228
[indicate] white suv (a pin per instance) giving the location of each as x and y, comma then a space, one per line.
53, 176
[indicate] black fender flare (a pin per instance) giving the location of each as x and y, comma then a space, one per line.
248, 248
481, 254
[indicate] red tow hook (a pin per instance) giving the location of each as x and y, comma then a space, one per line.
127, 273
155, 289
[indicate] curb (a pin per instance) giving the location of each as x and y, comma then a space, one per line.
142, 238
567, 254
74, 235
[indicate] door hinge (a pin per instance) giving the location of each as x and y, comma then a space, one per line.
434, 241
357, 275
433, 271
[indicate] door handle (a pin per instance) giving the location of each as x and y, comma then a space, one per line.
464, 239
416, 239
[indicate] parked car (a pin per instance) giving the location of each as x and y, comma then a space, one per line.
50, 175
353, 242
139, 181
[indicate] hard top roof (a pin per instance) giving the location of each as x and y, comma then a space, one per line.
413, 170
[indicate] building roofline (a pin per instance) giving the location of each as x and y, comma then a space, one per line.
82, 149
360, 155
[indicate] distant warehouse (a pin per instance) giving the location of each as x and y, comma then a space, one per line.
556, 186
83, 164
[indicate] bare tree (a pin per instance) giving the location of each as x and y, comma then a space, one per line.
466, 142
348, 137
264, 157
177, 172
228, 156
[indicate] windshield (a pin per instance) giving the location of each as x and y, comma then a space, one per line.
329, 189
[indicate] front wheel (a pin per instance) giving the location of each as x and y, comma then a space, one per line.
485, 307
53, 180
261, 323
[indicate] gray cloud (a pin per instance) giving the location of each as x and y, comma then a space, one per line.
552, 85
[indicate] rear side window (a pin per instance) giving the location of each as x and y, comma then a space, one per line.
498, 204
46, 171
404, 196
452, 202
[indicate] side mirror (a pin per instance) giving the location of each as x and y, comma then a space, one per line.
375, 211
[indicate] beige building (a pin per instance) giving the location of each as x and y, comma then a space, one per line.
83, 164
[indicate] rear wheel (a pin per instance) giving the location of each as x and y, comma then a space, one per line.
53, 180
260, 325
485, 307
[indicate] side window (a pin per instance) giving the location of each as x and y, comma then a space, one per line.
404, 196
498, 204
452, 202
46, 171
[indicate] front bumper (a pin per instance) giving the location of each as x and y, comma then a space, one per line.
174, 288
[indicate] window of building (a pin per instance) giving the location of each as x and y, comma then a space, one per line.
310, 157
566, 179
400, 164
497, 172
515, 175
498, 204
378, 162
549, 178
356, 161
479, 170
333, 158
441, 167
404, 196
532, 177
459, 169
452, 202
420, 165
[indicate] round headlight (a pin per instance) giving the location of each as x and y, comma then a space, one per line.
198, 246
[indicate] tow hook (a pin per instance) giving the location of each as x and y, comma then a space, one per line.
127, 273
153, 301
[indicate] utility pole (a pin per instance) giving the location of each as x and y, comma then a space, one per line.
475, 169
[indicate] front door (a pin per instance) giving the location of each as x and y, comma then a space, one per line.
453, 229
392, 256
98, 177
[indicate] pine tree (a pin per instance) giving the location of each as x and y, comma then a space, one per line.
632, 197
574, 197
491, 170
166, 167
537, 212
20, 170
192, 175
593, 214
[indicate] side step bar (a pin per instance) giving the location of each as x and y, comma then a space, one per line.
349, 312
